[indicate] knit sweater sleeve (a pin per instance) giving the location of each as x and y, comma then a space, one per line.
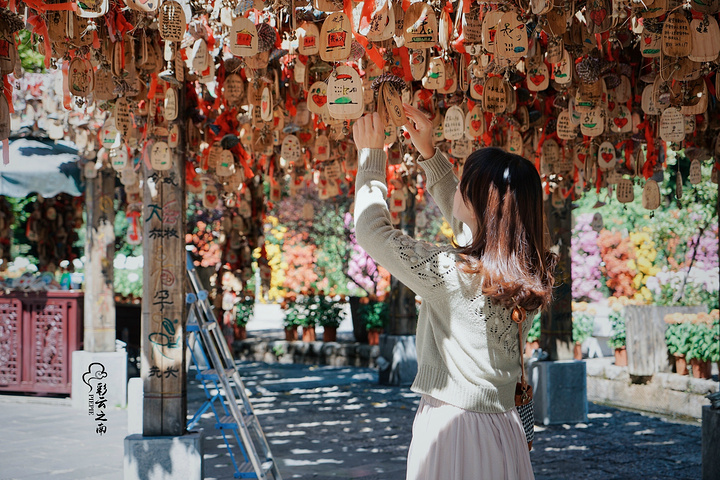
441, 185
419, 265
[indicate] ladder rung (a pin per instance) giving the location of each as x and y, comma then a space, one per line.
193, 327
228, 422
247, 467
212, 374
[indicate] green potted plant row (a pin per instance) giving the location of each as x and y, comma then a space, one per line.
294, 313
307, 311
582, 329
693, 338
618, 339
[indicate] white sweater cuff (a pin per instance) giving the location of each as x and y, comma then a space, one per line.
372, 160
436, 167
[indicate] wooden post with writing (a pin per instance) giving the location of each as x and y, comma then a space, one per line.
163, 306
556, 321
99, 335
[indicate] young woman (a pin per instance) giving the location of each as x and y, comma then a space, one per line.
467, 426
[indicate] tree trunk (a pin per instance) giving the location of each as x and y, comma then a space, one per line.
556, 321
402, 310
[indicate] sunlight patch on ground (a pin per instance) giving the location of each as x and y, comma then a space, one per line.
301, 451
649, 431
289, 462
592, 416
296, 433
569, 447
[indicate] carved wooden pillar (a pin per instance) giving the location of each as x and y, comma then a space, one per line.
100, 252
556, 321
163, 306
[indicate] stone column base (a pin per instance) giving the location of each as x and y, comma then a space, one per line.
164, 458
710, 443
560, 392
91, 368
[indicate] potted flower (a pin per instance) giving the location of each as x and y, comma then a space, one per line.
244, 310
376, 317
703, 338
582, 329
618, 339
677, 338
533, 336
309, 315
329, 315
293, 312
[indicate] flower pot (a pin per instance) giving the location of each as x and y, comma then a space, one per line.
308, 334
329, 334
374, 336
577, 351
701, 368
621, 357
681, 364
240, 332
530, 347
291, 334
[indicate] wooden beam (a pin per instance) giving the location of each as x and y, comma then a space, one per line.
99, 335
163, 306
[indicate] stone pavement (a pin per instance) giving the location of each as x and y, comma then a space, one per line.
337, 423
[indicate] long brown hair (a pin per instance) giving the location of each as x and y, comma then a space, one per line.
509, 249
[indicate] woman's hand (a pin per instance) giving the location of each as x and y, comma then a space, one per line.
420, 129
369, 132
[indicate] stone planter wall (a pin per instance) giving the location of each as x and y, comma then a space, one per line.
309, 353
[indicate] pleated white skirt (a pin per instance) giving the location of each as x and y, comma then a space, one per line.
450, 443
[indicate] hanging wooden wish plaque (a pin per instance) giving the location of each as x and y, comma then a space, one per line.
92, 8
624, 190
489, 29
81, 77
308, 39
420, 26
454, 123
335, 38
291, 150
171, 104
171, 21
538, 75
344, 93
672, 125
435, 76
474, 123
607, 157
511, 37
393, 105
705, 39
592, 122
599, 16
243, 38
226, 164
317, 98
695, 175
676, 37
494, 95
565, 129
160, 158
651, 195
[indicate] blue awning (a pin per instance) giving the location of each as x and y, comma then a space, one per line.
40, 165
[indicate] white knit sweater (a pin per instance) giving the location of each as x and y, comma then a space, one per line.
467, 348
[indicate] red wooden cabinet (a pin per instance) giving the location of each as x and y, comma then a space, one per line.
38, 333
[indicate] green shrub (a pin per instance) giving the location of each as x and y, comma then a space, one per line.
678, 338
244, 310
376, 314
618, 339
583, 326
534, 332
